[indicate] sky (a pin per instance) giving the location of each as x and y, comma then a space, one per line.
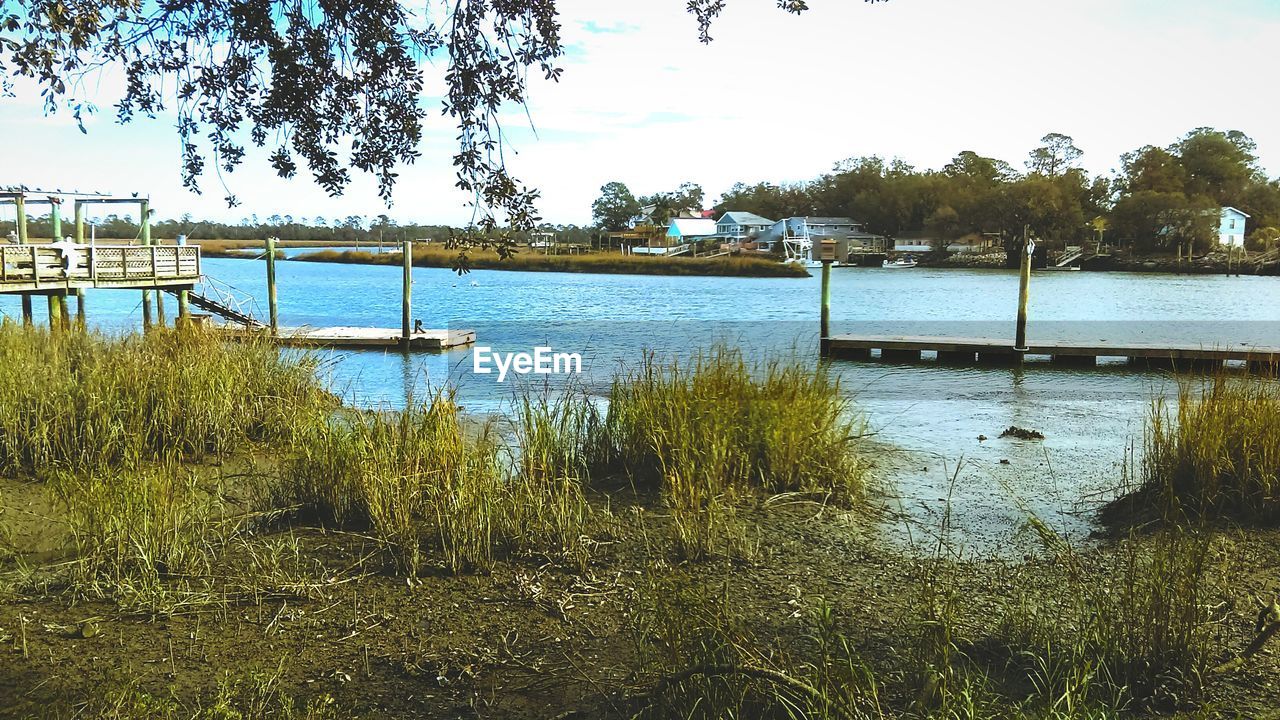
775, 98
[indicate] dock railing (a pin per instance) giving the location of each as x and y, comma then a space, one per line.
27, 268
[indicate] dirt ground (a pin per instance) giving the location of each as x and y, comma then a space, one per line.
527, 640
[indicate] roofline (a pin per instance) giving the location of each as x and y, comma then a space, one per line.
1228, 207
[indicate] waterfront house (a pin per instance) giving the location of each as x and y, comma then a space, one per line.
845, 231
1231, 224
684, 230
739, 227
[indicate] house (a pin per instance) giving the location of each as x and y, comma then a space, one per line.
847, 232
680, 232
741, 226
1231, 224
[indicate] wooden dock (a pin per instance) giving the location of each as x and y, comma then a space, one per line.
36, 269
372, 338
993, 351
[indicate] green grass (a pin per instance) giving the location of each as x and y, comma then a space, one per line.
86, 401
1218, 454
713, 430
602, 262
423, 480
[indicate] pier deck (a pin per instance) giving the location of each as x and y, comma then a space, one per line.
365, 337
996, 351
42, 269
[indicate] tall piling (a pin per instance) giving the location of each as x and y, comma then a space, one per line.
145, 207
1024, 292
272, 308
406, 295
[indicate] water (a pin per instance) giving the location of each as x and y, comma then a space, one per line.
931, 416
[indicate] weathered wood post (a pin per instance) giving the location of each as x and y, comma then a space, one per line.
1024, 290
145, 209
827, 254
406, 298
58, 315
20, 207
79, 238
27, 312
55, 217
184, 298
272, 308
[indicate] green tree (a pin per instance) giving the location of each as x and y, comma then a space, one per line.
1152, 169
1149, 220
1057, 153
1219, 165
615, 208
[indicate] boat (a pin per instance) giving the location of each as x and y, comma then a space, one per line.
901, 263
799, 250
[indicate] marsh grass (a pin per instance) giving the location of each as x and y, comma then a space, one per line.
132, 531
714, 430
88, 402
603, 262
422, 479
1218, 454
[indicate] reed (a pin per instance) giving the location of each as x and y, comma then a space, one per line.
88, 401
131, 531
1218, 454
422, 479
603, 262
713, 430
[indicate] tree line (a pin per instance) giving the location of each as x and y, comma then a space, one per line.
1159, 197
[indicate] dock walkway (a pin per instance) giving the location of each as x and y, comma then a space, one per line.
366, 338
995, 351
43, 268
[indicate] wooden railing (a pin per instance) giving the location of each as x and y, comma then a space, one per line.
24, 267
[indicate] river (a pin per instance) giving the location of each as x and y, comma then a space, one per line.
932, 416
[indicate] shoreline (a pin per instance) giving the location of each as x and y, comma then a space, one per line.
602, 263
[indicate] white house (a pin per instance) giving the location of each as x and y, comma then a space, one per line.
1231, 224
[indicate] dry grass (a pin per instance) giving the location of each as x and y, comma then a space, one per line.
602, 262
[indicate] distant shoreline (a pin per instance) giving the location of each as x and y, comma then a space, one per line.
602, 263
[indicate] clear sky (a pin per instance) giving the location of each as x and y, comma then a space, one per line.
775, 97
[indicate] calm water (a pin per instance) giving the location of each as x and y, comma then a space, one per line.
932, 415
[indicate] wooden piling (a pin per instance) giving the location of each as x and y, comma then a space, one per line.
27, 312
55, 217
20, 207
406, 299
1024, 293
272, 308
79, 220
80, 316
145, 207
824, 330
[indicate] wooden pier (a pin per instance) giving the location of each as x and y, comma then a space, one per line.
45, 269
990, 351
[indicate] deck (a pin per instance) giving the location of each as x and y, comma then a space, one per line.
365, 337
42, 268
995, 351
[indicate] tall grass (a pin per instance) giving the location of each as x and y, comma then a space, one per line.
715, 429
604, 262
87, 401
1219, 454
421, 479
133, 530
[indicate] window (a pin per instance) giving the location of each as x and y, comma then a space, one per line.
1233, 223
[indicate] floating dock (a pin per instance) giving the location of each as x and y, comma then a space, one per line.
992, 351
366, 337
